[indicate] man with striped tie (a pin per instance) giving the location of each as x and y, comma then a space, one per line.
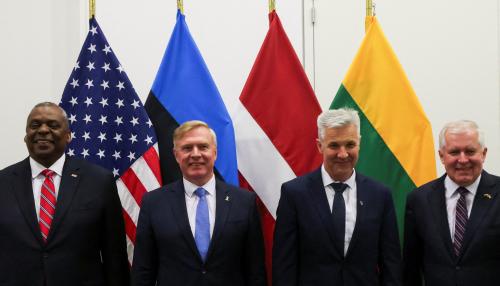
198, 230
452, 229
60, 218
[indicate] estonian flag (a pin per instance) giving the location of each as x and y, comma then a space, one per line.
184, 90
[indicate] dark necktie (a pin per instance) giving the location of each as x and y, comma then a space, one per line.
202, 228
47, 203
338, 212
461, 218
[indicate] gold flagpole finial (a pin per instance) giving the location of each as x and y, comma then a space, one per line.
369, 8
91, 9
180, 6
272, 5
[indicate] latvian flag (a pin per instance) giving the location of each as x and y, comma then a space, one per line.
275, 125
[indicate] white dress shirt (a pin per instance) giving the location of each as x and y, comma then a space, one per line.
37, 179
192, 202
452, 196
350, 198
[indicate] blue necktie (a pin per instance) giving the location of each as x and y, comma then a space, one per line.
338, 212
202, 228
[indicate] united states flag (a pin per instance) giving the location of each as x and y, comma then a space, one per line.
110, 127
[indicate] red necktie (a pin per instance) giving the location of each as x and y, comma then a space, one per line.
461, 218
47, 203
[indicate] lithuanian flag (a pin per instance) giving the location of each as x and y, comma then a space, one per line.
397, 147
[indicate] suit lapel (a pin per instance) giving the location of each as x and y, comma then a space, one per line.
67, 190
23, 191
320, 201
437, 204
223, 205
485, 197
178, 206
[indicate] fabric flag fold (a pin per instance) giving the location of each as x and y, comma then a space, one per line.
397, 146
275, 125
109, 125
184, 90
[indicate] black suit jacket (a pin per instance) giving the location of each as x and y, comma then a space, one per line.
86, 243
304, 252
428, 248
166, 253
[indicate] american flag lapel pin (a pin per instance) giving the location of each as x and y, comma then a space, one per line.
74, 175
361, 203
487, 196
227, 198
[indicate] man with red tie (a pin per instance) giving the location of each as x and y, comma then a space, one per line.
452, 224
60, 218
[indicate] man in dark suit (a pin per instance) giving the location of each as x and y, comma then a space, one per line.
452, 230
198, 230
60, 218
335, 226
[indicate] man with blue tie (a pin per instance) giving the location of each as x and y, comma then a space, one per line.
335, 226
452, 224
198, 230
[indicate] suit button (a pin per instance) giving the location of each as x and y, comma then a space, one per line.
203, 271
457, 267
45, 255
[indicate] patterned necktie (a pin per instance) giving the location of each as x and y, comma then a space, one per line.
461, 218
202, 228
338, 212
47, 203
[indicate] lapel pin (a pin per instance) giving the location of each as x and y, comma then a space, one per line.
487, 196
227, 199
361, 203
74, 175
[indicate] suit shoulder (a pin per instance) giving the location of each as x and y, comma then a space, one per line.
300, 182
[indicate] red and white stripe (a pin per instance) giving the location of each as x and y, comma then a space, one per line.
142, 176
275, 125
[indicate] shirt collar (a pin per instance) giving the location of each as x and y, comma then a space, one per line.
37, 168
190, 187
451, 186
327, 180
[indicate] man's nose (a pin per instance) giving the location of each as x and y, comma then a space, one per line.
44, 128
342, 153
195, 151
462, 157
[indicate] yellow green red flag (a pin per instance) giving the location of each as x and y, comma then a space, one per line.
397, 147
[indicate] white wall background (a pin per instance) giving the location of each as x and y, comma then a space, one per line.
449, 50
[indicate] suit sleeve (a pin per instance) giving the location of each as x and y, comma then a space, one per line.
145, 265
114, 250
285, 247
254, 250
412, 249
390, 248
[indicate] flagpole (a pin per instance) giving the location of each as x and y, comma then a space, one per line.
180, 6
91, 9
369, 8
272, 5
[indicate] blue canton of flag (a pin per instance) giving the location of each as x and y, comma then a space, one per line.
109, 125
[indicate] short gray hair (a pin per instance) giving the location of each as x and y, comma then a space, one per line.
459, 127
335, 118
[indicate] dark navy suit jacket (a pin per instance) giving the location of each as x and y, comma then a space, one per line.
86, 242
166, 253
304, 250
428, 248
